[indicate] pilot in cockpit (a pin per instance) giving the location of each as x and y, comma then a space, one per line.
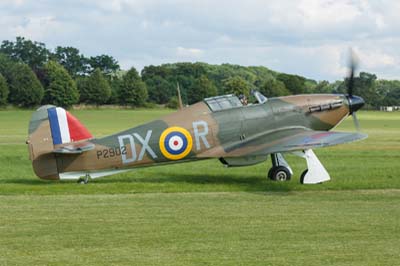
243, 99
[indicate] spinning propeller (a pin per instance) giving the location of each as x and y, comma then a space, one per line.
355, 102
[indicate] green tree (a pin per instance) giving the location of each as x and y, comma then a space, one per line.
388, 91
60, 88
3, 90
186, 83
25, 88
393, 97
115, 84
163, 71
187, 75
323, 87
173, 103
160, 82
295, 84
34, 54
364, 86
133, 90
94, 89
201, 89
70, 58
383, 87
310, 85
160, 90
237, 85
107, 64
274, 88
5, 65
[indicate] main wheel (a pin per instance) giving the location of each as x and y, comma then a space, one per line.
280, 173
269, 176
302, 176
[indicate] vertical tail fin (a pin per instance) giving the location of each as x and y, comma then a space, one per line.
48, 127
65, 128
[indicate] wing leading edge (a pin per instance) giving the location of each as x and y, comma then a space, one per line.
315, 139
303, 139
286, 140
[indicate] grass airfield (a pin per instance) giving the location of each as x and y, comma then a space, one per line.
201, 213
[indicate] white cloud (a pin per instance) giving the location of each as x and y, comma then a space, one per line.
36, 28
320, 14
111, 5
373, 59
188, 53
15, 3
307, 37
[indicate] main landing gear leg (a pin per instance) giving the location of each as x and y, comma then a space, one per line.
84, 180
280, 170
316, 172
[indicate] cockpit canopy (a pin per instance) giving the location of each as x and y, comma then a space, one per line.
223, 102
230, 101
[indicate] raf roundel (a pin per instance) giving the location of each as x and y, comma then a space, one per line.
175, 143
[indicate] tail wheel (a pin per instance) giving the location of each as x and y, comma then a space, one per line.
84, 180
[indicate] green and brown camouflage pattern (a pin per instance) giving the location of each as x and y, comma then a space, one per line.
245, 135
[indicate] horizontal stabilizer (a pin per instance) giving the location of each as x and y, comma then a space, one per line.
74, 148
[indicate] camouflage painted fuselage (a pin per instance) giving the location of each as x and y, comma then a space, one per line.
238, 136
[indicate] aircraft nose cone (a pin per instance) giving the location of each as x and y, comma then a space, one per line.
355, 103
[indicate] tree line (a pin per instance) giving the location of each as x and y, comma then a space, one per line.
31, 74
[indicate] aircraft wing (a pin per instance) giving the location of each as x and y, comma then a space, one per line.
309, 139
302, 139
290, 139
74, 148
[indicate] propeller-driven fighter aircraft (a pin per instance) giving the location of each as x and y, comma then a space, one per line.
221, 127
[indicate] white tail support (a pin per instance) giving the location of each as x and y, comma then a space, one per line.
316, 171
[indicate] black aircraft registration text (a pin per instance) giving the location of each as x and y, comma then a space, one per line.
111, 152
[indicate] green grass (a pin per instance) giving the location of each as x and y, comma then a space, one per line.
321, 228
201, 213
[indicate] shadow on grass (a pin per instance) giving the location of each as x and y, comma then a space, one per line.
246, 183
178, 182
26, 181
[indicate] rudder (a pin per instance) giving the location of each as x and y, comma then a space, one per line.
51, 126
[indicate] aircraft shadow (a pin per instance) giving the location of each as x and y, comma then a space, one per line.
24, 181
232, 183
248, 183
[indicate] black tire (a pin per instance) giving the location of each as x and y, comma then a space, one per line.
302, 176
280, 173
269, 176
82, 181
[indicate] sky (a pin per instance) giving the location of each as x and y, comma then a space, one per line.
306, 37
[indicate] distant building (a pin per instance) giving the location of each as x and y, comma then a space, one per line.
389, 108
